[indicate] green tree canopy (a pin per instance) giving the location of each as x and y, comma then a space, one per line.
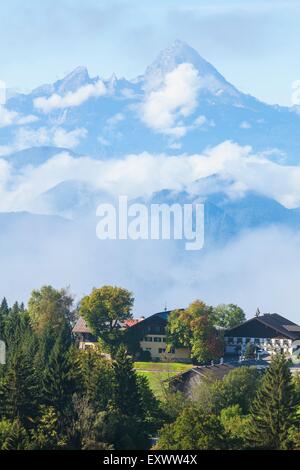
194, 429
236, 426
238, 387
193, 328
104, 309
49, 307
228, 316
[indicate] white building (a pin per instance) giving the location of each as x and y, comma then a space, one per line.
270, 332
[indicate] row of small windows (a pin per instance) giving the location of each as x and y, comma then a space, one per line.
258, 341
156, 339
162, 350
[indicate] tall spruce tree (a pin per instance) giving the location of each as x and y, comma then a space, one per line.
16, 327
126, 394
97, 379
19, 391
60, 377
4, 307
273, 411
4, 310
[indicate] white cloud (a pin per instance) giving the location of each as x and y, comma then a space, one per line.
6, 150
245, 125
70, 99
229, 274
72, 139
295, 98
175, 100
143, 174
9, 118
113, 121
23, 120
26, 137
103, 141
175, 145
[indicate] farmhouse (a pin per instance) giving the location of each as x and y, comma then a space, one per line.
269, 332
150, 334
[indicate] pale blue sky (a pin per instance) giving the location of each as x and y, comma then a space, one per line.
254, 44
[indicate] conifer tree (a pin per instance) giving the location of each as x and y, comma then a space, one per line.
4, 310
4, 307
16, 326
19, 391
60, 377
46, 435
126, 396
46, 342
273, 411
97, 379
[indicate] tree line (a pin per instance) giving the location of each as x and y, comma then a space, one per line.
54, 396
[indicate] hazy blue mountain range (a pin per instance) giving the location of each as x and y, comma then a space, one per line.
66, 147
114, 126
113, 121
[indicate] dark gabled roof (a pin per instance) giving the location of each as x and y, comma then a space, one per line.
274, 321
156, 316
82, 327
187, 381
280, 324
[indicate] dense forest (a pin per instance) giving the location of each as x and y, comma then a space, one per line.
55, 396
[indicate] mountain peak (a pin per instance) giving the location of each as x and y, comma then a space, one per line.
178, 53
74, 80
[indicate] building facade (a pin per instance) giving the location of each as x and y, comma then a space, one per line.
153, 338
86, 339
149, 333
270, 332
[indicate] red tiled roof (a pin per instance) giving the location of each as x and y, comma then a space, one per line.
131, 322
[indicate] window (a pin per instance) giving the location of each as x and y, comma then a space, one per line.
157, 329
164, 339
256, 340
161, 350
148, 349
157, 339
239, 340
148, 339
172, 351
